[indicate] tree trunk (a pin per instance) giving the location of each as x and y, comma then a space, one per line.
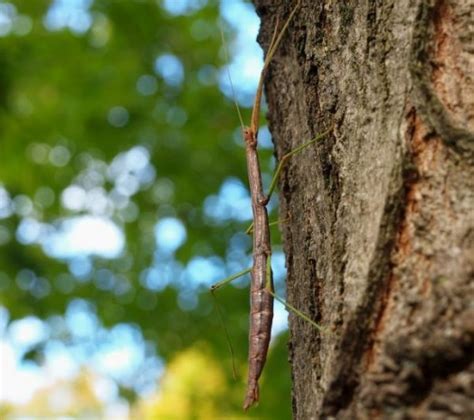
380, 242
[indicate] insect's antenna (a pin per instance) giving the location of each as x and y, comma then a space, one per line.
271, 51
226, 55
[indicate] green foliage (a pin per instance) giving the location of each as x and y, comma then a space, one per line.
57, 91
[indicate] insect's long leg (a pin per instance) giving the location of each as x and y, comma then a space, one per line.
226, 333
258, 95
249, 230
234, 96
271, 51
212, 289
229, 279
297, 312
271, 290
285, 158
282, 163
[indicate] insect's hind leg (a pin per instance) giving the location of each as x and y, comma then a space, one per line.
270, 289
212, 289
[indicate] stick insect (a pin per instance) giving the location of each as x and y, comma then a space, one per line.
261, 292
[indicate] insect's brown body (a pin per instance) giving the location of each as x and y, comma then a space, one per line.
261, 289
261, 300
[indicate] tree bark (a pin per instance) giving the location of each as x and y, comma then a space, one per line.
380, 243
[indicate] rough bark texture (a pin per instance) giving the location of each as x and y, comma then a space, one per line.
380, 247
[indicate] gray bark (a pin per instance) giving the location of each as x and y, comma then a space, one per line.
380, 246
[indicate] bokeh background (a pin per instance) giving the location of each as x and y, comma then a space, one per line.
123, 197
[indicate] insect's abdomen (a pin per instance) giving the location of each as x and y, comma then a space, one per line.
261, 316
